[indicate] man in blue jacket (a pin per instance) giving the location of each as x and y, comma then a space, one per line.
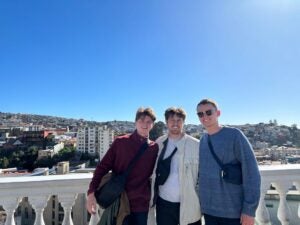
224, 203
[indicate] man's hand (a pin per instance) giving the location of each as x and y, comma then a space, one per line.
91, 203
247, 220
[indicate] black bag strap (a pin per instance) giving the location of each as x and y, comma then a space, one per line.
211, 148
161, 156
163, 151
136, 158
174, 151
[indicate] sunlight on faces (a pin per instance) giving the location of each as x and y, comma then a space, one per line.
209, 114
175, 125
144, 125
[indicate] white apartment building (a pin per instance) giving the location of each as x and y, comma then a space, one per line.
33, 128
94, 140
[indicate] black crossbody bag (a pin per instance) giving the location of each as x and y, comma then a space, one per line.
164, 167
230, 172
111, 190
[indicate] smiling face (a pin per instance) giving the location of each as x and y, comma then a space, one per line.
143, 125
208, 116
175, 118
175, 126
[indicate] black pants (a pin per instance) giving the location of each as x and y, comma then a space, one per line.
167, 213
213, 220
136, 218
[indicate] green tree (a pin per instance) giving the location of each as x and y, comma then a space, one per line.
66, 154
157, 130
33, 150
85, 156
14, 160
49, 140
44, 162
4, 162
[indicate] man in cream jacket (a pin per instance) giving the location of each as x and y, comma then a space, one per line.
174, 181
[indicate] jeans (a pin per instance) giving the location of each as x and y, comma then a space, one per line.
213, 220
136, 218
167, 213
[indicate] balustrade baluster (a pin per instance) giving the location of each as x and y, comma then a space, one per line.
38, 203
10, 203
297, 184
67, 201
262, 213
284, 212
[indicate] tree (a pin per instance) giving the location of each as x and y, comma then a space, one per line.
33, 150
49, 140
4, 162
14, 160
66, 154
44, 162
157, 130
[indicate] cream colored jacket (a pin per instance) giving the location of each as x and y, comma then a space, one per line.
188, 152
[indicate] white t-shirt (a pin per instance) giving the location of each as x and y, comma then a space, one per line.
170, 191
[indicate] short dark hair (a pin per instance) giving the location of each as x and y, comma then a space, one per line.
170, 112
142, 112
208, 101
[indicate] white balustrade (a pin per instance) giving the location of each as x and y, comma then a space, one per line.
38, 189
262, 214
39, 203
67, 201
10, 203
297, 184
284, 212
282, 178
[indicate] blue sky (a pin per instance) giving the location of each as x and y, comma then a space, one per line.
101, 60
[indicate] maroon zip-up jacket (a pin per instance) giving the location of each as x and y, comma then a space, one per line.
117, 159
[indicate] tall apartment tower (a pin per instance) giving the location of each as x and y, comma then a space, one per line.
94, 140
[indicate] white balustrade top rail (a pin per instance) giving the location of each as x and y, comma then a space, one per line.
66, 187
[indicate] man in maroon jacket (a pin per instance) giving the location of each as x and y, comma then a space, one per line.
117, 159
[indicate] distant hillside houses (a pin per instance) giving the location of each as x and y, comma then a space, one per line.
13, 126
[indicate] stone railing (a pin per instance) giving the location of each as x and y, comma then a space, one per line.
282, 178
39, 189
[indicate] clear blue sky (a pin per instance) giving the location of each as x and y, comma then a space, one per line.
101, 60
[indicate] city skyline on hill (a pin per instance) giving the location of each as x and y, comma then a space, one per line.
50, 118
